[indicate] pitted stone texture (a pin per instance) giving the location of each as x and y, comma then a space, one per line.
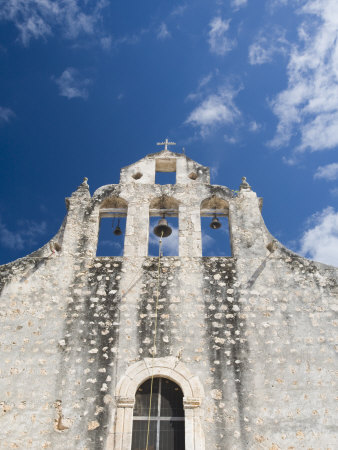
257, 330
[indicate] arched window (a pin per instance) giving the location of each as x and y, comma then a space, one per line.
166, 424
113, 212
161, 207
215, 227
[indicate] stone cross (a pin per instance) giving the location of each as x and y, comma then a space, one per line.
166, 143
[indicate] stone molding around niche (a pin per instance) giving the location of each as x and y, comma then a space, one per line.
120, 436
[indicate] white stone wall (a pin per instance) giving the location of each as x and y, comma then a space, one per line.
257, 330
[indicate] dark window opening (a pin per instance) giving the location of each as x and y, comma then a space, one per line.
165, 171
215, 242
169, 244
111, 242
166, 423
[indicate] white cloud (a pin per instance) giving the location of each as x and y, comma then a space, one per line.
38, 18
163, 32
179, 10
218, 40
214, 171
130, 39
6, 114
106, 42
266, 46
230, 139
254, 127
71, 85
328, 172
205, 80
113, 244
200, 93
208, 241
236, 4
26, 236
215, 110
320, 242
308, 108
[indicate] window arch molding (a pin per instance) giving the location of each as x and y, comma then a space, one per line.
121, 434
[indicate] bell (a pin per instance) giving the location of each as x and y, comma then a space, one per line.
162, 229
117, 230
215, 223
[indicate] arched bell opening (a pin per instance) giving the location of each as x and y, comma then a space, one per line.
112, 216
158, 416
215, 227
163, 226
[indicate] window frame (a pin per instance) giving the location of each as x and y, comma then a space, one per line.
158, 418
120, 435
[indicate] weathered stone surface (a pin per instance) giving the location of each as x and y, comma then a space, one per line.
250, 338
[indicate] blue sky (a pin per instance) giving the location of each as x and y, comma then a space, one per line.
248, 88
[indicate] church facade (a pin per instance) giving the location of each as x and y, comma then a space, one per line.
235, 352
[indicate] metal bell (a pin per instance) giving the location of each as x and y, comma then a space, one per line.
162, 229
215, 223
117, 230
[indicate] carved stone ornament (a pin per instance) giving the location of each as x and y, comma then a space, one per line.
244, 185
190, 403
125, 402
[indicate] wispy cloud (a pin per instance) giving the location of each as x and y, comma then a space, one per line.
163, 32
130, 39
230, 139
328, 172
254, 127
40, 18
214, 111
6, 114
267, 45
26, 236
71, 85
320, 240
237, 4
218, 40
179, 10
308, 109
106, 42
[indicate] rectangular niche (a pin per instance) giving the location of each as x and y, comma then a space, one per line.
165, 171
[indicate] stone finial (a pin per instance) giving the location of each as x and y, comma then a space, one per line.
84, 184
244, 185
82, 191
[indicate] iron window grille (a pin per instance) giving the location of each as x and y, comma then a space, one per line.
166, 428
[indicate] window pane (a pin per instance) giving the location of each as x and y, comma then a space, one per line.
142, 399
172, 399
171, 435
139, 441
